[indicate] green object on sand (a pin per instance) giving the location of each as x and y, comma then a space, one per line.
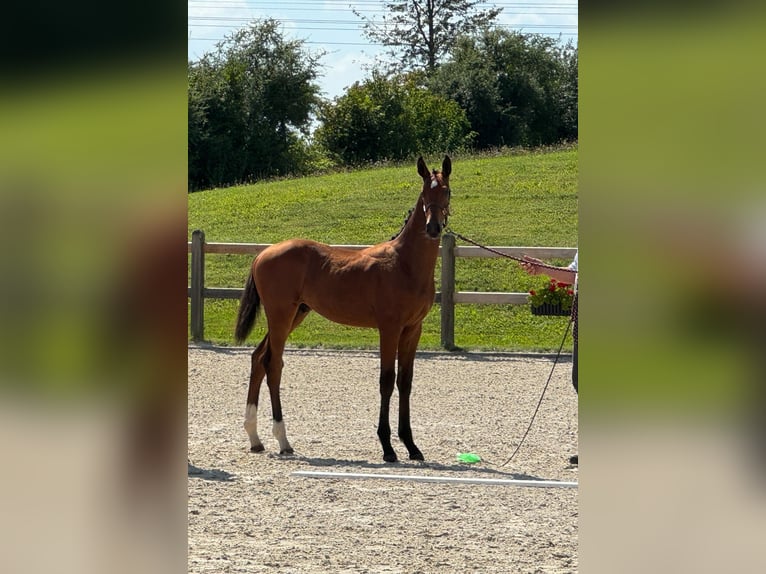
468, 457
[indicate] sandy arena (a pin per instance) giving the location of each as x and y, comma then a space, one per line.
247, 513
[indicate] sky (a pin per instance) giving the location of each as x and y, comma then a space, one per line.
331, 26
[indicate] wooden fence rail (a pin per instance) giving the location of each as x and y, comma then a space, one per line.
447, 297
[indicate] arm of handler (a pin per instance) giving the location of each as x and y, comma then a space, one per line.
534, 266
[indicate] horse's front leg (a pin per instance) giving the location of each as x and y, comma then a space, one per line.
387, 380
408, 345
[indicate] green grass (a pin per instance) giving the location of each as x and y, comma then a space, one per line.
514, 199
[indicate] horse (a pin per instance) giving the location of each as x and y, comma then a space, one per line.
388, 286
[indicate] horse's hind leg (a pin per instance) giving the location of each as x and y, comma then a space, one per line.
257, 372
274, 364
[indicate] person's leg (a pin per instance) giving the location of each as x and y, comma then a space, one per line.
574, 364
574, 343
575, 458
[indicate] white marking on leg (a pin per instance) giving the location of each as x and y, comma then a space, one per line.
251, 426
281, 435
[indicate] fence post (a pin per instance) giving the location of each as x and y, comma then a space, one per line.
197, 285
448, 292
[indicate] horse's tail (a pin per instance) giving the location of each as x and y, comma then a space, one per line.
249, 306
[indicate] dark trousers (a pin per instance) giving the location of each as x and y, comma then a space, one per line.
574, 340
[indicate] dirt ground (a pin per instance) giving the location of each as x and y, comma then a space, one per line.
247, 513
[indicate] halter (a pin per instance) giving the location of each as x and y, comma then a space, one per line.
443, 208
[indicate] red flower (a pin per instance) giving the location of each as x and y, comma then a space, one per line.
552, 292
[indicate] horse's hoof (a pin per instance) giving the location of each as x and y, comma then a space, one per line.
417, 455
257, 448
390, 457
286, 451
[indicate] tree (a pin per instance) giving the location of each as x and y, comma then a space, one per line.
569, 95
516, 89
420, 33
249, 102
391, 118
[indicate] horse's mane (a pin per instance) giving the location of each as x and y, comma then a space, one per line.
406, 219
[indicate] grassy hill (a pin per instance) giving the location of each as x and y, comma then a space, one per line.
514, 199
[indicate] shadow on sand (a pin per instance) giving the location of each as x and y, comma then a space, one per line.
209, 474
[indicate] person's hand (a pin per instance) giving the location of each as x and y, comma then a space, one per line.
532, 265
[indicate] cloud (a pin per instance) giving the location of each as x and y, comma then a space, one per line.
209, 22
343, 68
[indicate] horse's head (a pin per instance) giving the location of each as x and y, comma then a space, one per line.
436, 195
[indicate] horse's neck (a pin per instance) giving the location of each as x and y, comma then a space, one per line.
415, 246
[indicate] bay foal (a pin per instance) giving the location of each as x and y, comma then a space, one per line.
388, 286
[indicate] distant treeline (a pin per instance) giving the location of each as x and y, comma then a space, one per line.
255, 110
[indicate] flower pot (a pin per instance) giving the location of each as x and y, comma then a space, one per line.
548, 309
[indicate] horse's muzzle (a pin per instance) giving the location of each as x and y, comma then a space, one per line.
434, 228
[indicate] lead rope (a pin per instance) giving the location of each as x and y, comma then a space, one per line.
495, 251
537, 408
558, 353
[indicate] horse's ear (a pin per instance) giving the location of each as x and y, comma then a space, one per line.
446, 166
423, 169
